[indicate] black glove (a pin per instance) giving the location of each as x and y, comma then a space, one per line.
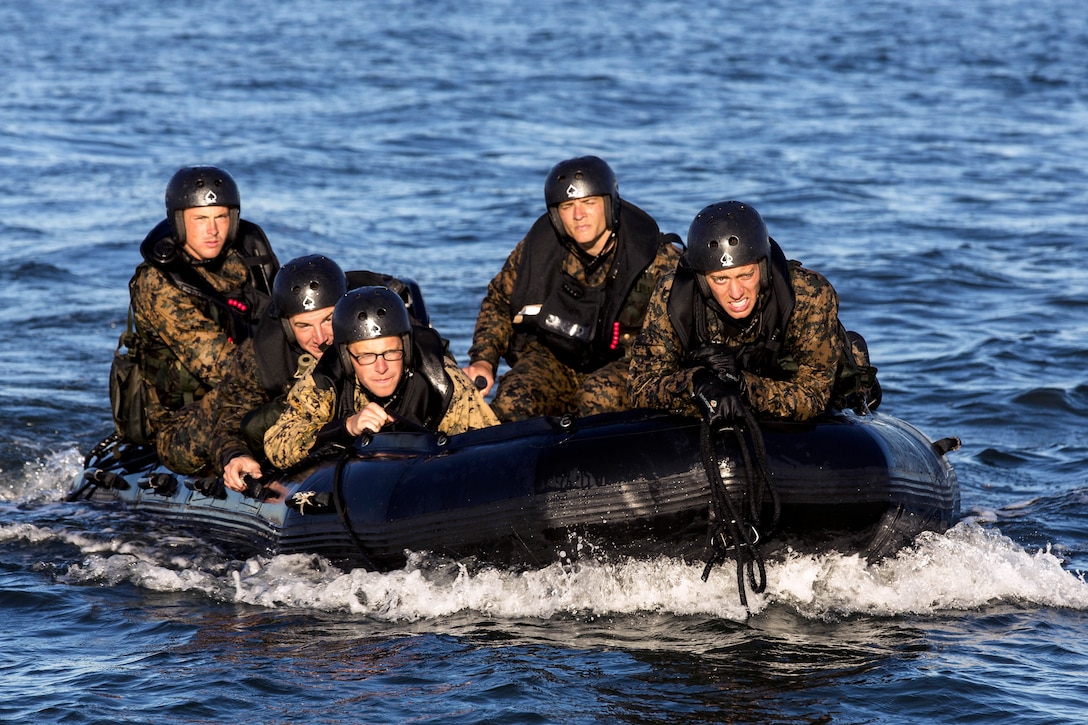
717, 359
718, 400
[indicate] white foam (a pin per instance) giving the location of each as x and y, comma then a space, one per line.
41, 480
967, 568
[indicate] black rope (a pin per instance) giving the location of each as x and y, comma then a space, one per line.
759, 476
341, 509
732, 531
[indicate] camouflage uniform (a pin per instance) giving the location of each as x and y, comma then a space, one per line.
309, 409
809, 358
199, 345
208, 432
537, 382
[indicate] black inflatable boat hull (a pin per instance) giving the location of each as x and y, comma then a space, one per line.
529, 493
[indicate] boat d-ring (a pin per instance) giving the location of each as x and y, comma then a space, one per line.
727, 546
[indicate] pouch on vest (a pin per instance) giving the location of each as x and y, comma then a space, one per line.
128, 394
567, 323
856, 386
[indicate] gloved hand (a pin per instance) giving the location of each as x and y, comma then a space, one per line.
718, 400
718, 359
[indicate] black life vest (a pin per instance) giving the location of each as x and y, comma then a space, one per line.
423, 395
688, 308
278, 362
238, 310
277, 357
578, 323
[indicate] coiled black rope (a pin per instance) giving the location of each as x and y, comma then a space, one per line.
734, 529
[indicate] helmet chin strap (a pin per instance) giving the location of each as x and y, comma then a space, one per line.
589, 261
288, 330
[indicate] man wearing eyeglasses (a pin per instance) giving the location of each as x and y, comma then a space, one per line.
388, 374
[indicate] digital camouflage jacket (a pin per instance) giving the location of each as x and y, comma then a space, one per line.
801, 386
311, 407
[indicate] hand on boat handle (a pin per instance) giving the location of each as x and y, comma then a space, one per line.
237, 469
371, 418
481, 374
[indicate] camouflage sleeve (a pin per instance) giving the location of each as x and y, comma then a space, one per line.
812, 342
467, 410
292, 437
658, 380
240, 393
164, 310
637, 302
494, 323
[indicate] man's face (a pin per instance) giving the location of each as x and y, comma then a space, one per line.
313, 330
736, 289
381, 376
206, 230
584, 220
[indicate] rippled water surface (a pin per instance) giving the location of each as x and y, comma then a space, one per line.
928, 158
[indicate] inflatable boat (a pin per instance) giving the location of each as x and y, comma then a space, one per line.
638, 483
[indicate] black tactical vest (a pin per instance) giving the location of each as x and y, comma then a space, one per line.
578, 323
234, 312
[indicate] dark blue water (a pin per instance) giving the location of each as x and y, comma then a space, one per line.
929, 158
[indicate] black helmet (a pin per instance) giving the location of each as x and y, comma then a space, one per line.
194, 186
725, 235
306, 284
367, 313
579, 178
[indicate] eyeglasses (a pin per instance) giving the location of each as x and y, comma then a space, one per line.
369, 358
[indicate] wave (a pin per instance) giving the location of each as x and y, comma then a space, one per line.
967, 568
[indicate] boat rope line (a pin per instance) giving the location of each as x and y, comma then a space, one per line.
735, 530
108, 453
91, 480
101, 447
342, 512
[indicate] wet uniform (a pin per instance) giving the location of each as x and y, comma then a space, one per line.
189, 316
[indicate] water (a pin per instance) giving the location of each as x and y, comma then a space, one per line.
928, 158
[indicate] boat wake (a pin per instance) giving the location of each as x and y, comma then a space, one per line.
969, 567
